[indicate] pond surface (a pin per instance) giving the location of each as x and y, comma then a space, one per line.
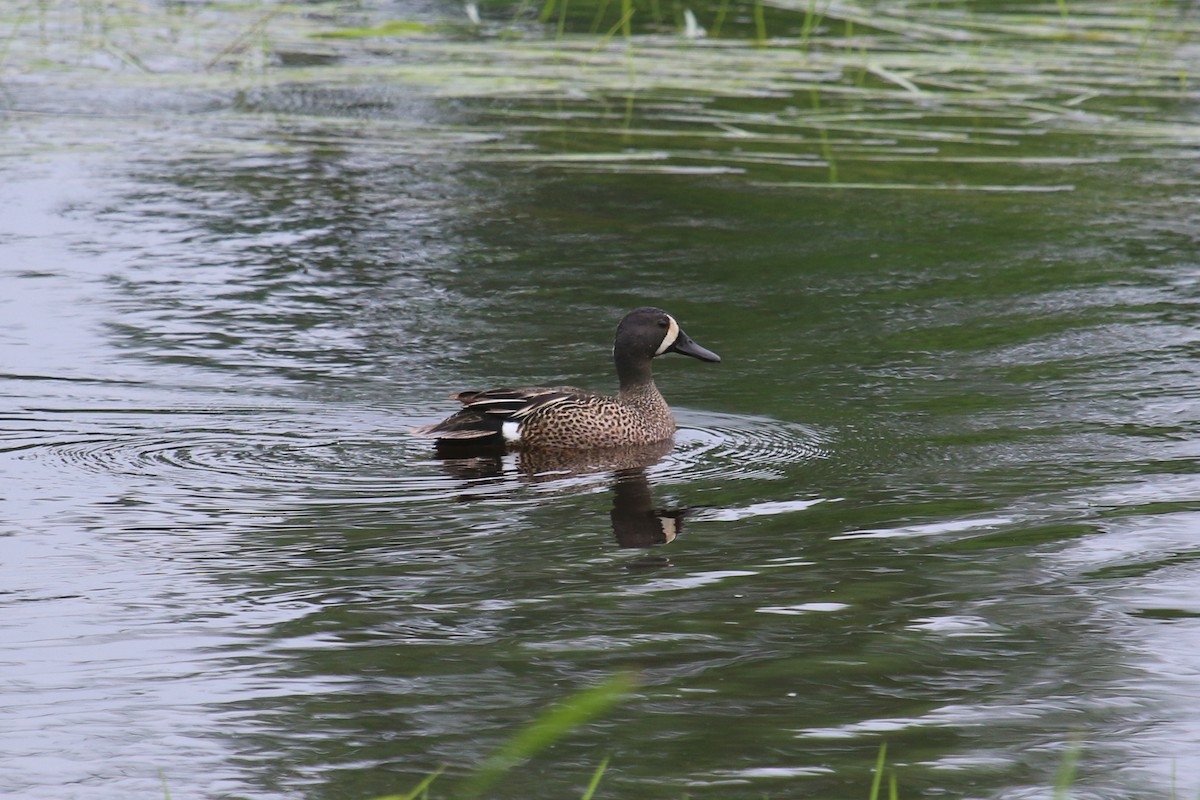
940, 493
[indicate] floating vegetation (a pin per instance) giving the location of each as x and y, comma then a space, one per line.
869, 95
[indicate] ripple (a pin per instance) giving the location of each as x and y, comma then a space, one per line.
707, 447
712, 445
271, 449
355, 455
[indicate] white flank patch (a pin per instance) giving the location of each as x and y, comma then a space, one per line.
511, 430
669, 339
670, 528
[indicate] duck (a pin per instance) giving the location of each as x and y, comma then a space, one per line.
567, 418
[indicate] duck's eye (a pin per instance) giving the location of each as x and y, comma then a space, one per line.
662, 323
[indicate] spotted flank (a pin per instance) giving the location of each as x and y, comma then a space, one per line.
567, 418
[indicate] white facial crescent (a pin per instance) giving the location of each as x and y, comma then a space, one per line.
669, 339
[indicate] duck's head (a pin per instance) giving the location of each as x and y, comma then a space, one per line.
645, 333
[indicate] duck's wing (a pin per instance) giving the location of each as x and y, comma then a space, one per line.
485, 412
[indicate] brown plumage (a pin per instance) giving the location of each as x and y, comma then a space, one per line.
563, 417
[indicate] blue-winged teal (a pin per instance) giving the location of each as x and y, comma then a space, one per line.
563, 417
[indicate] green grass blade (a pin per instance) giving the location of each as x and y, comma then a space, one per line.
393, 28
418, 790
591, 789
577, 710
562, 21
877, 781
607, 37
721, 12
811, 20
601, 10
1066, 772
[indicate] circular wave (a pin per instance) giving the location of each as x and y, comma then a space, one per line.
269, 450
352, 454
711, 445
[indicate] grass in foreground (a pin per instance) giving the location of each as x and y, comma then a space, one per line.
588, 704
548, 728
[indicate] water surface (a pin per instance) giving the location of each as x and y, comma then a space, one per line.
939, 493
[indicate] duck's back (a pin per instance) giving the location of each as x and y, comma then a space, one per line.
586, 419
556, 417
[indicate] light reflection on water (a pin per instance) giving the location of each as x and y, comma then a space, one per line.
953, 512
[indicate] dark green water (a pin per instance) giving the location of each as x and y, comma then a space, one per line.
942, 486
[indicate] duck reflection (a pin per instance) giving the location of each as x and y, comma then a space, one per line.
635, 520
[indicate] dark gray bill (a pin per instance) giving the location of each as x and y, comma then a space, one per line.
685, 346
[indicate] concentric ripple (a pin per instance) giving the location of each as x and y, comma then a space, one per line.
270, 450
351, 454
711, 445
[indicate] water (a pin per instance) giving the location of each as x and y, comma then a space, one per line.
940, 492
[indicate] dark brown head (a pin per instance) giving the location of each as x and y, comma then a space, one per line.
645, 333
